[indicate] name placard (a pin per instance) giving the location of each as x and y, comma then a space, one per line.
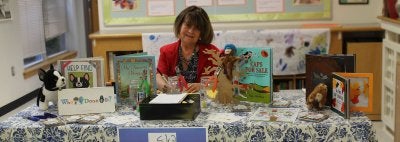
192, 134
86, 100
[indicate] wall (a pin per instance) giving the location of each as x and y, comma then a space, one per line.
10, 56
14, 87
342, 14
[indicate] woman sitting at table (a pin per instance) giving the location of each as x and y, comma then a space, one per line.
185, 57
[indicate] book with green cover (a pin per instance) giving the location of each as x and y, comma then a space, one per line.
139, 67
255, 79
83, 72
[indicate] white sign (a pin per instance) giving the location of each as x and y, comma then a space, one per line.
86, 100
162, 137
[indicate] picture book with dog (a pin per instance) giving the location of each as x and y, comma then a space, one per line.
83, 72
254, 83
360, 91
134, 67
340, 95
319, 69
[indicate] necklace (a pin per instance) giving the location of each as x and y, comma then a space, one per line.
185, 59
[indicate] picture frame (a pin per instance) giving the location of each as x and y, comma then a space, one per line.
353, 1
360, 91
5, 12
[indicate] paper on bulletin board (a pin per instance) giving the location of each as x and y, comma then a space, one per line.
139, 12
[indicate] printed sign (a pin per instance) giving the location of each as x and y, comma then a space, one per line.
195, 134
86, 100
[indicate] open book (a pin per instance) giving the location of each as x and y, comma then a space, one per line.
168, 98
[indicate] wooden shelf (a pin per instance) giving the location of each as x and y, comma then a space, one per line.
390, 77
104, 42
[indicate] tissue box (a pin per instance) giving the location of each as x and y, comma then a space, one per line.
182, 111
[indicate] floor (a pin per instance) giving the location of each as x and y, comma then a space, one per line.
378, 125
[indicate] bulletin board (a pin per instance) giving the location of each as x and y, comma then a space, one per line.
153, 12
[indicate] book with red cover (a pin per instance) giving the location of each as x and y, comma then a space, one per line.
319, 69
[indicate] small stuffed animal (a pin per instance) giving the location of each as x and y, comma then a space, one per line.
317, 98
52, 82
80, 82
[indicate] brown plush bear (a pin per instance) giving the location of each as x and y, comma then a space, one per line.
317, 98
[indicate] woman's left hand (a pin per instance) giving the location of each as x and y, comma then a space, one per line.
193, 87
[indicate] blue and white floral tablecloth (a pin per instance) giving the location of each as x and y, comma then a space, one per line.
335, 128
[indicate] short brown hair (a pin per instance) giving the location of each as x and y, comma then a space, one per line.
195, 16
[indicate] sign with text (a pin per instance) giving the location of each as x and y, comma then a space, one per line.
86, 100
195, 134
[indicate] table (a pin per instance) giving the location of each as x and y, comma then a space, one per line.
335, 128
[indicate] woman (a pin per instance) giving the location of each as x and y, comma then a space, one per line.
185, 57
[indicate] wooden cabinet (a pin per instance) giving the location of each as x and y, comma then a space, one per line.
105, 42
369, 60
391, 78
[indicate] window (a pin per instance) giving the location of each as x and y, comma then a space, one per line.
43, 28
55, 45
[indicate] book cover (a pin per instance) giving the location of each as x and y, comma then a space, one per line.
254, 83
313, 116
319, 69
83, 72
340, 95
139, 67
360, 91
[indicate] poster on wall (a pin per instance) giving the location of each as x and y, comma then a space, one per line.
5, 13
155, 12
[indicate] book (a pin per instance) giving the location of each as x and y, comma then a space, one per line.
83, 72
275, 114
340, 95
168, 98
254, 83
360, 91
313, 116
134, 67
280, 104
319, 69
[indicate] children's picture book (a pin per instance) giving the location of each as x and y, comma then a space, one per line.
319, 69
312, 116
83, 72
340, 95
360, 91
134, 68
275, 114
254, 83
279, 104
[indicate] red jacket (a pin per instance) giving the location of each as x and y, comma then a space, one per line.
169, 57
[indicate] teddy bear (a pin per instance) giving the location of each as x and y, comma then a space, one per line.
317, 98
52, 82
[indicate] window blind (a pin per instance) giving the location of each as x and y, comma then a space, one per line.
31, 27
54, 18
